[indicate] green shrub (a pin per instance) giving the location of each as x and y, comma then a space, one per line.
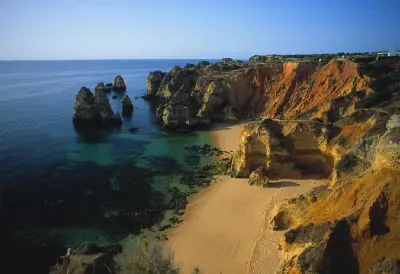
188, 66
146, 259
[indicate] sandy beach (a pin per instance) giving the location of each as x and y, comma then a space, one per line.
225, 228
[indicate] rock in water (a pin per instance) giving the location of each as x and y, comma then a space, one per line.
133, 129
101, 87
93, 110
127, 106
154, 80
119, 84
258, 177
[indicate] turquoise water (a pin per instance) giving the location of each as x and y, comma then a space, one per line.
60, 186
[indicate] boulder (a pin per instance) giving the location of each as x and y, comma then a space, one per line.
259, 177
93, 110
101, 87
127, 106
153, 83
119, 84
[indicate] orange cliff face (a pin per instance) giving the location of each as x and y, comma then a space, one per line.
350, 225
292, 89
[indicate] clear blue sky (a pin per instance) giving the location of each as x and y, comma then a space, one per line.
99, 29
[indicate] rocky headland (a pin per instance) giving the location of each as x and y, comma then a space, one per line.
337, 120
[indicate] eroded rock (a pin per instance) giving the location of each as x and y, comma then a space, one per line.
101, 87
93, 110
153, 83
119, 84
294, 152
259, 177
127, 106
323, 248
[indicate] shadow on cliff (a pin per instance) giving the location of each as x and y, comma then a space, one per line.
279, 184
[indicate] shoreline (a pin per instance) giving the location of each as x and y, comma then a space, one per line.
225, 226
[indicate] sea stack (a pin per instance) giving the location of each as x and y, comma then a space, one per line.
93, 110
119, 84
101, 87
127, 106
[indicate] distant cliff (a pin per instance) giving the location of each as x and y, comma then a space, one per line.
198, 95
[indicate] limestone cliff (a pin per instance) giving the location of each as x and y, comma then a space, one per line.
348, 132
231, 90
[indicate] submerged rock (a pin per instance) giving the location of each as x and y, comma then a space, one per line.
127, 106
119, 84
133, 129
93, 110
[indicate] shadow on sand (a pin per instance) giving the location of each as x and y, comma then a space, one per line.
279, 184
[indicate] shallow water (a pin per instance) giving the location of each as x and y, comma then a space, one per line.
61, 187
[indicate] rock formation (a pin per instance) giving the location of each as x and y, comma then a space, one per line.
119, 84
154, 82
338, 120
258, 177
189, 98
93, 110
101, 87
127, 106
294, 154
274, 89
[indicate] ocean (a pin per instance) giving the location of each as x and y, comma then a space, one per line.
60, 187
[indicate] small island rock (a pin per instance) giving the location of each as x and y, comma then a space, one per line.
119, 84
127, 106
93, 110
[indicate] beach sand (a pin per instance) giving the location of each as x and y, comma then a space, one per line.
225, 228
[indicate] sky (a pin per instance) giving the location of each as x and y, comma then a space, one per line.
141, 29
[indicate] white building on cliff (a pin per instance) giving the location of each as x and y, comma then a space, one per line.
390, 53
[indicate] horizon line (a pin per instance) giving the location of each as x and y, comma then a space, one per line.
102, 59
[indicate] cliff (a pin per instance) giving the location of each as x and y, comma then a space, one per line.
349, 132
199, 95
338, 120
